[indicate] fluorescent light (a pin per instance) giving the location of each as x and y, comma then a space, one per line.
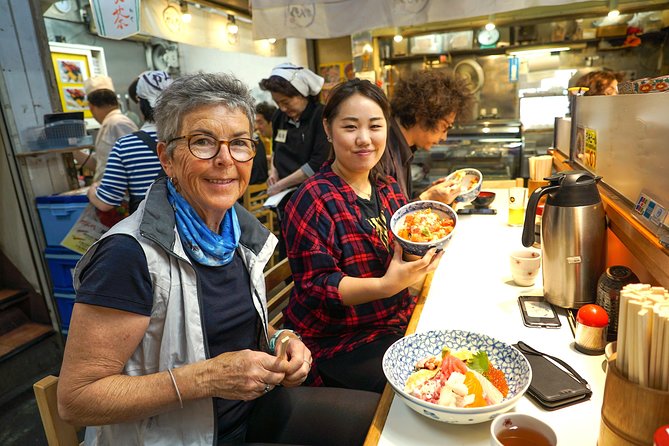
537, 51
398, 38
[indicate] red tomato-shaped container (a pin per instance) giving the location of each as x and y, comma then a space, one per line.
592, 315
592, 323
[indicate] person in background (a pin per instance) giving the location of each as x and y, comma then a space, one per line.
350, 301
169, 341
132, 95
424, 107
264, 114
600, 83
133, 162
299, 146
104, 106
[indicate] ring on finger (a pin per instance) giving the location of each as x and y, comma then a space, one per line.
267, 388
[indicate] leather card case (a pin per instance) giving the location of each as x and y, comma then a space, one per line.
552, 387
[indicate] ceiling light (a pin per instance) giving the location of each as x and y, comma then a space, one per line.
398, 38
491, 24
613, 9
186, 17
232, 26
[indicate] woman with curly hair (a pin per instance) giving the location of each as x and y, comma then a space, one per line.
600, 83
424, 107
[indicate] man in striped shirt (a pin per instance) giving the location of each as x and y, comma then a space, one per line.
133, 164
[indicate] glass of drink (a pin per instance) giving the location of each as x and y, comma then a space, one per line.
517, 197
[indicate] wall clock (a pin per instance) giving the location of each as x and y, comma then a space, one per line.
488, 38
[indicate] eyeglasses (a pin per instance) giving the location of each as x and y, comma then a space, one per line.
206, 147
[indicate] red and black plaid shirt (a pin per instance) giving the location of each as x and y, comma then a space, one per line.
327, 239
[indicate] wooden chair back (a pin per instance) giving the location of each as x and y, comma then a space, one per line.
58, 432
279, 285
253, 199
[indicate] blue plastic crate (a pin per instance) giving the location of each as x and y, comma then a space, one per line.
61, 263
65, 304
58, 214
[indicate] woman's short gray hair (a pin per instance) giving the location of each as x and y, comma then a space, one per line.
193, 91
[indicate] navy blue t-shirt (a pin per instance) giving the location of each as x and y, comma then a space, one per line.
118, 277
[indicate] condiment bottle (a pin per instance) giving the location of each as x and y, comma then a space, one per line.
608, 294
661, 437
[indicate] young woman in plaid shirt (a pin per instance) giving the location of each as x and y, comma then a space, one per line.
350, 300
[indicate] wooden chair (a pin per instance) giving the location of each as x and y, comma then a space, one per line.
253, 199
58, 432
501, 184
279, 285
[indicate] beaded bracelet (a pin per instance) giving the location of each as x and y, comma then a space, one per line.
275, 337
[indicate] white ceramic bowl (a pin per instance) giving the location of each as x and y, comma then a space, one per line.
472, 192
420, 248
401, 357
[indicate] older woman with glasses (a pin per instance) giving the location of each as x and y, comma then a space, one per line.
169, 341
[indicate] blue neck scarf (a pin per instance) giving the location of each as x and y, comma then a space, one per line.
204, 245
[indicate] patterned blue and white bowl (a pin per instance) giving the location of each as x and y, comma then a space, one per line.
420, 248
401, 357
471, 192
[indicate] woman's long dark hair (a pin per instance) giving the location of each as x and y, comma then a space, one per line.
365, 88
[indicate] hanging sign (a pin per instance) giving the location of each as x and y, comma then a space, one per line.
116, 19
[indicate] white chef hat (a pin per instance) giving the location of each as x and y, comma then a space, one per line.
151, 84
95, 83
303, 79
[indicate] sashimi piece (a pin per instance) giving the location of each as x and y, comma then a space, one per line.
490, 392
450, 364
417, 380
475, 390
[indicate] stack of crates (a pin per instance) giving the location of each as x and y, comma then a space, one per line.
58, 214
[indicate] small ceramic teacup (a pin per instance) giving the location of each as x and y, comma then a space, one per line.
520, 429
525, 265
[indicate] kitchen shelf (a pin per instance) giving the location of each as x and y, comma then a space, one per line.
53, 151
656, 36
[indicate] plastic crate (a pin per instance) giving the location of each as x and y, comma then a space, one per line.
58, 214
65, 304
61, 263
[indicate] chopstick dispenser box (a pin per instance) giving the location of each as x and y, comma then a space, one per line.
630, 412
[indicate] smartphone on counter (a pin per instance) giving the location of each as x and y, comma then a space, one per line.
537, 312
484, 211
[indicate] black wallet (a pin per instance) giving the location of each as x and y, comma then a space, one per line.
553, 387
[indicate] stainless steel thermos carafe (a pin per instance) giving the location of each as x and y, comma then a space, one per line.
573, 237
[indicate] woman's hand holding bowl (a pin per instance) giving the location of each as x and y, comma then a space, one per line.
402, 274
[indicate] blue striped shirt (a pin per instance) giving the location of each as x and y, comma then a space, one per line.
132, 166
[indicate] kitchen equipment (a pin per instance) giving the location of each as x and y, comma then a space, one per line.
493, 147
573, 237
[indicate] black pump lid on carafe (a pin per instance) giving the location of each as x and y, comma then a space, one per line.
577, 188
